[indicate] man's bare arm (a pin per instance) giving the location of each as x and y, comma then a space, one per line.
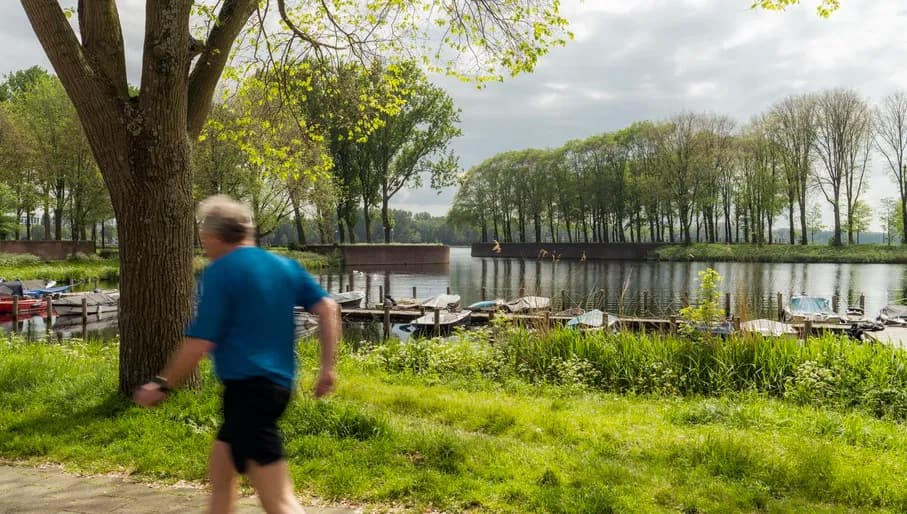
329, 327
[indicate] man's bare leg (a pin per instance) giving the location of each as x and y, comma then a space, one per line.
222, 474
274, 487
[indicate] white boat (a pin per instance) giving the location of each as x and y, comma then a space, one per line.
594, 320
814, 309
98, 302
444, 301
767, 328
528, 304
349, 299
446, 321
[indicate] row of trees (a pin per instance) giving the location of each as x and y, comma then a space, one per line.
46, 164
697, 177
340, 169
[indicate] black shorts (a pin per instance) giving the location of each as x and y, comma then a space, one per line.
251, 408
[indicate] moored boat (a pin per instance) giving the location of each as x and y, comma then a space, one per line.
528, 304
97, 302
349, 299
446, 321
814, 309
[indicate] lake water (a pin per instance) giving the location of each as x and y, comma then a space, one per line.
627, 287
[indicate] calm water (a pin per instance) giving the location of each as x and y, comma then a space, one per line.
631, 288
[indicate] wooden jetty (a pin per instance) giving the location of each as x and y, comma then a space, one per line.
548, 319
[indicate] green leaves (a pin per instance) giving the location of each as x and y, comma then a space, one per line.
824, 9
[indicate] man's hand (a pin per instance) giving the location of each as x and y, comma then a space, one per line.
325, 383
149, 395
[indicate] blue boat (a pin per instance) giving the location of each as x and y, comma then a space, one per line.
486, 305
594, 319
38, 293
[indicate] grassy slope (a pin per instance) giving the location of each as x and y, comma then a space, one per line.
471, 444
783, 253
27, 267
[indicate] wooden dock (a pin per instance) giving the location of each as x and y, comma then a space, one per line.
545, 319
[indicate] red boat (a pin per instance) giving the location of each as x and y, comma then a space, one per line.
26, 305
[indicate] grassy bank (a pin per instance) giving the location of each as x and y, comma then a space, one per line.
553, 424
783, 253
27, 267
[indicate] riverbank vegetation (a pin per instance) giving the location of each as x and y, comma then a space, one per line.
83, 267
556, 422
782, 253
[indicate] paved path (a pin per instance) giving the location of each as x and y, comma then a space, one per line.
52, 491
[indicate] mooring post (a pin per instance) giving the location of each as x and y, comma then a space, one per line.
737, 323
547, 320
807, 329
522, 292
563, 299
645, 302
437, 321
862, 302
834, 303
49, 302
685, 301
484, 294
84, 318
727, 304
387, 320
780, 306
448, 289
414, 292
15, 313
381, 293
673, 320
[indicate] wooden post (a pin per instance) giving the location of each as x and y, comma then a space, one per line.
490, 315
15, 313
547, 320
862, 302
484, 294
84, 318
780, 307
414, 292
50, 310
727, 304
834, 303
387, 320
645, 302
563, 299
448, 289
685, 301
437, 321
522, 292
737, 323
807, 329
673, 320
381, 293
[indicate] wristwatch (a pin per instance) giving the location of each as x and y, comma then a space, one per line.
162, 383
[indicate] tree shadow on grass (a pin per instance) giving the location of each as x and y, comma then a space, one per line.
59, 422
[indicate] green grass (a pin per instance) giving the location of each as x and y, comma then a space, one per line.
864, 253
28, 267
462, 427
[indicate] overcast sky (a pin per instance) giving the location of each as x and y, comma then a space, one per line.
634, 60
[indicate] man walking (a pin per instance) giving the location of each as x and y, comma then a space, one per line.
245, 322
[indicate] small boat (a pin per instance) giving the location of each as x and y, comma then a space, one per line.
815, 309
894, 314
349, 299
446, 321
443, 302
571, 312
593, 320
528, 304
767, 328
38, 288
98, 302
486, 306
26, 305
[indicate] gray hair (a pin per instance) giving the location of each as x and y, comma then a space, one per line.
225, 218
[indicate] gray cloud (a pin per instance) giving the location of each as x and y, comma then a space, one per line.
635, 60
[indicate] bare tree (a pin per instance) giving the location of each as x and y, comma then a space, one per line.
843, 129
890, 136
794, 129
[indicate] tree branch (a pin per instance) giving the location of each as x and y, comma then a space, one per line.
99, 110
102, 41
210, 65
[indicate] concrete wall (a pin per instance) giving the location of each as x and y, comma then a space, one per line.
568, 251
48, 250
387, 255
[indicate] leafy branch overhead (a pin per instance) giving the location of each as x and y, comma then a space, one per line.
825, 7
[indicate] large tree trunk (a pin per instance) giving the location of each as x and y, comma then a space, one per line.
386, 221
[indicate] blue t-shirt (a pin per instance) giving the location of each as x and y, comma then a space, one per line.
246, 309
